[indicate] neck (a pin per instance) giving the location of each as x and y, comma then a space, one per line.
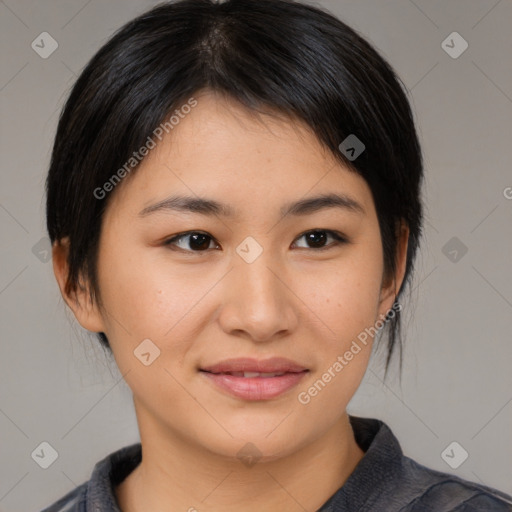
175, 475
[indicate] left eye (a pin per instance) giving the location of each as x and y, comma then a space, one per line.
318, 237
200, 242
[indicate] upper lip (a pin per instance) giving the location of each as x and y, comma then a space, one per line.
245, 364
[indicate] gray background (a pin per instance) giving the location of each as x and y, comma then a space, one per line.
56, 384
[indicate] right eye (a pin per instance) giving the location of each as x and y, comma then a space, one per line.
198, 241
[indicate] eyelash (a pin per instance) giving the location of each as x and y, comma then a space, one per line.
338, 237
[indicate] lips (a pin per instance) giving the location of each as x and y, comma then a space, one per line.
242, 366
252, 379
249, 375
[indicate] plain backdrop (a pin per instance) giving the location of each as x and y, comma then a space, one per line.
56, 384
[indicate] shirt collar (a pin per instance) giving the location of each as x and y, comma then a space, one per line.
375, 471
382, 459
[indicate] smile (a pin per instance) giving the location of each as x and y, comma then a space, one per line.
254, 386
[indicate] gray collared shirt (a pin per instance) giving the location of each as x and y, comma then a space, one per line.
384, 481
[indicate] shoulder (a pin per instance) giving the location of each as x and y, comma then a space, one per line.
98, 493
387, 480
429, 490
73, 501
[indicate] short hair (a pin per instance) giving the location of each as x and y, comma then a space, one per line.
273, 56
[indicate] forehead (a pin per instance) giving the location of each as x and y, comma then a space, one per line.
220, 127
222, 150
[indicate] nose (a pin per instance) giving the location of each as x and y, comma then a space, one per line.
258, 302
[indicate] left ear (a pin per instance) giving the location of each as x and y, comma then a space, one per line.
391, 285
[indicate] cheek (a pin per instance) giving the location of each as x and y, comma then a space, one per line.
148, 300
344, 295
346, 302
144, 294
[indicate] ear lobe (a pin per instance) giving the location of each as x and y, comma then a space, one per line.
79, 301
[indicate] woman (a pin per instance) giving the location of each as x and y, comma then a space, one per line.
234, 206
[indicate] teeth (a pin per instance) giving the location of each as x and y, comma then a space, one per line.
255, 374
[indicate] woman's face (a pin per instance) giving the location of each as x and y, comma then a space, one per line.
254, 284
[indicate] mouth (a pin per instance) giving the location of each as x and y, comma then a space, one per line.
274, 365
250, 375
251, 379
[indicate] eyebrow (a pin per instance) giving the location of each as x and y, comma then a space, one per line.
211, 207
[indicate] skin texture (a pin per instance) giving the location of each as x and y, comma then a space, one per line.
202, 307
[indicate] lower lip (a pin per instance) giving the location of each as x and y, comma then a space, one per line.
255, 388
